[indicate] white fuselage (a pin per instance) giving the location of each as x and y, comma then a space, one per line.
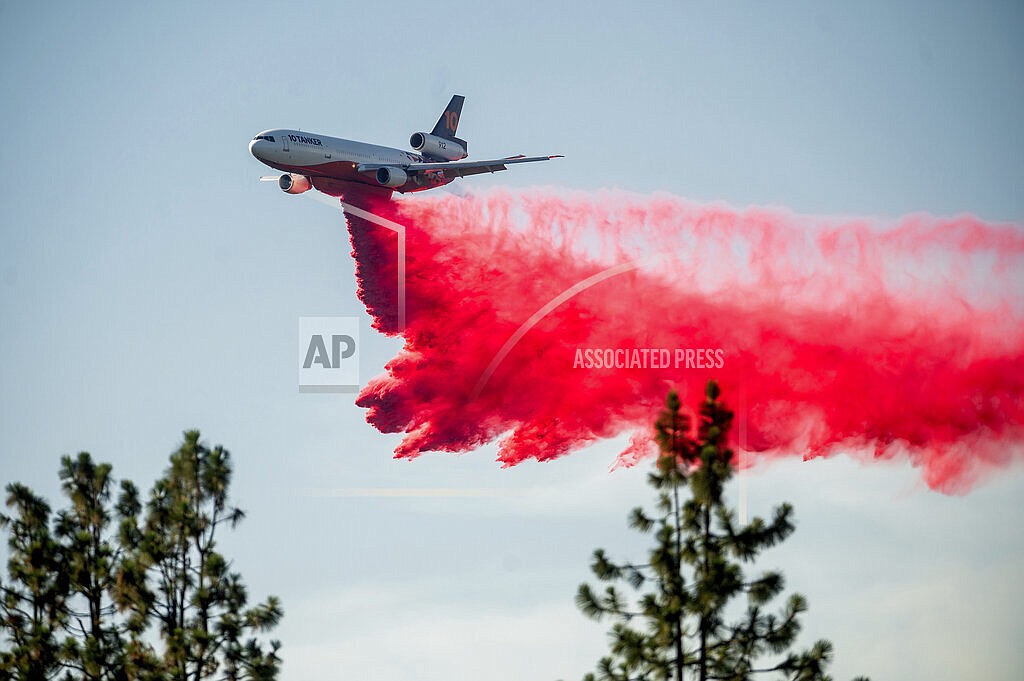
318, 156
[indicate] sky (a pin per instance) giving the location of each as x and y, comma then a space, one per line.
149, 284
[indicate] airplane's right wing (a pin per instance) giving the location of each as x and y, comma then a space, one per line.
461, 168
458, 168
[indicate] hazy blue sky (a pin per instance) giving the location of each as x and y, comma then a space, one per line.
149, 284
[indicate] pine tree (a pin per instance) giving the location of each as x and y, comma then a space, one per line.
177, 577
32, 608
148, 598
677, 627
94, 646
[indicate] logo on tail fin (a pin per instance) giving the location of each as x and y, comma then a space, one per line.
448, 123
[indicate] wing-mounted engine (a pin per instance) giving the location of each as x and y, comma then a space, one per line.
293, 183
391, 177
438, 148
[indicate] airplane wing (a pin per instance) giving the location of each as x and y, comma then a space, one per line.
457, 168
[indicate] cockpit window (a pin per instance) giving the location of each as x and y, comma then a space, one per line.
269, 138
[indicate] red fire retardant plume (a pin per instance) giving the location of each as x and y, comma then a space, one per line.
878, 338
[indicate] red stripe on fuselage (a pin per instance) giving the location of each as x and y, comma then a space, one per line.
345, 171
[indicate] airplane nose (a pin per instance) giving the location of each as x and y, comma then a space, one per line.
254, 148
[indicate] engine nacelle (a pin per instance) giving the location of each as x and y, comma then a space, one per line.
392, 177
437, 147
294, 184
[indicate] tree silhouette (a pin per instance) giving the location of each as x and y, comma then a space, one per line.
176, 577
107, 591
89, 560
32, 607
670, 616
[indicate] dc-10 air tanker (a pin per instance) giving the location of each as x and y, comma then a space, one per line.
338, 167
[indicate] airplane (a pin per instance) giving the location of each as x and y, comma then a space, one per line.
338, 166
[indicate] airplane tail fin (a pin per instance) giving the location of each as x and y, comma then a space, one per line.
448, 123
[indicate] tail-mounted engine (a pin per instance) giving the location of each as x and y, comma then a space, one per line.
294, 184
436, 147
